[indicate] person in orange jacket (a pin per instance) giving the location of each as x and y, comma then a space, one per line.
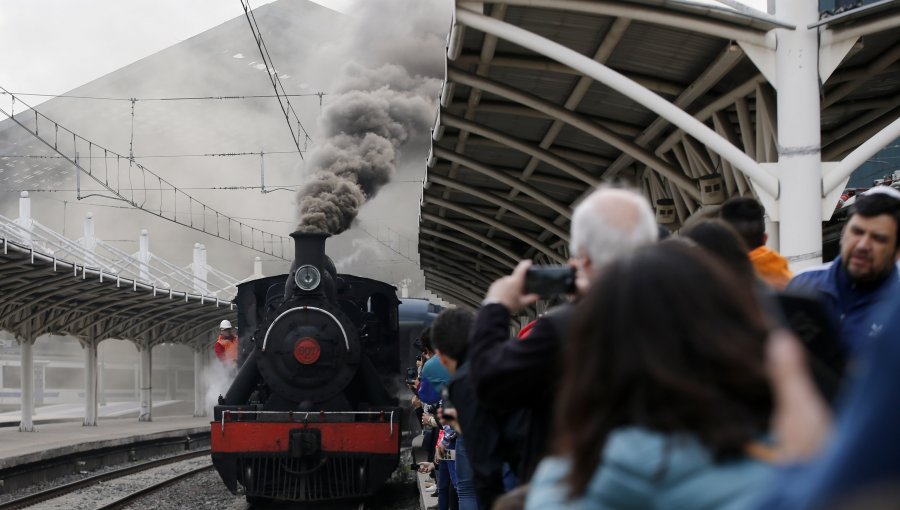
226, 345
745, 214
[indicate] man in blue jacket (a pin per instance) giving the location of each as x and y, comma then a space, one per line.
857, 464
865, 274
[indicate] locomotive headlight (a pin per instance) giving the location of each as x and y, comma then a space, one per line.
307, 277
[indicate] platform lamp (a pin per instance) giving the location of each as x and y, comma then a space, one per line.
665, 211
712, 189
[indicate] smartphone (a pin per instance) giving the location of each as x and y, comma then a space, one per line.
410, 375
550, 280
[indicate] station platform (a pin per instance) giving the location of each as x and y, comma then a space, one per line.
57, 433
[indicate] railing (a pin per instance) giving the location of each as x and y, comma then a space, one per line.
123, 178
102, 256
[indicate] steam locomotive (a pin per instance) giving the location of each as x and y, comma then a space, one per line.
312, 413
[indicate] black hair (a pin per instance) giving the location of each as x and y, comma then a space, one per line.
723, 241
669, 340
425, 340
450, 333
664, 232
876, 204
746, 215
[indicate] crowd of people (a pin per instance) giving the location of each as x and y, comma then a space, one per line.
691, 372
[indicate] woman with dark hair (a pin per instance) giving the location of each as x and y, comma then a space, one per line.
723, 241
664, 394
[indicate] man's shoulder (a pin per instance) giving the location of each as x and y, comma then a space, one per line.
812, 278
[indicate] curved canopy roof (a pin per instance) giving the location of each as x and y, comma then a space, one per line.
42, 294
521, 137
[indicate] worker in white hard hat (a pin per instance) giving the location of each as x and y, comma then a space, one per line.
226, 345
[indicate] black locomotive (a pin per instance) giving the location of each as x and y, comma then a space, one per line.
312, 413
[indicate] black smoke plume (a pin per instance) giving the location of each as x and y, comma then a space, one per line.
376, 109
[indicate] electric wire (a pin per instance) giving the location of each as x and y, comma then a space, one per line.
273, 76
204, 155
185, 98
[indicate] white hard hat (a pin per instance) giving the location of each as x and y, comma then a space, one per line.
225, 325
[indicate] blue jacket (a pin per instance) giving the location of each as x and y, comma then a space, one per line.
850, 304
864, 452
644, 470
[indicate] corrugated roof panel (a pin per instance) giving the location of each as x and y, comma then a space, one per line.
666, 53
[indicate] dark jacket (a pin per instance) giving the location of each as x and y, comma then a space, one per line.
492, 438
510, 374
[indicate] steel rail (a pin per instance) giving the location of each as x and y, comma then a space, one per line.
55, 492
125, 501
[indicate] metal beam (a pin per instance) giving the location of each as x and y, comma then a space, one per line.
872, 125
499, 176
449, 296
466, 244
437, 277
724, 101
859, 155
838, 34
480, 265
454, 225
433, 259
535, 151
720, 66
876, 66
563, 152
649, 14
573, 119
500, 202
628, 88
604, 50
546, 65
534, 243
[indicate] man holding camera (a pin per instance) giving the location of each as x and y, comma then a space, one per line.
513, 375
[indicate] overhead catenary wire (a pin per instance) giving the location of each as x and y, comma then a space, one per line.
202, 155
185, 98
211, 221
273, 77
269, 187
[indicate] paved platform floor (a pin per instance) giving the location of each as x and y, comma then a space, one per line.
52, 438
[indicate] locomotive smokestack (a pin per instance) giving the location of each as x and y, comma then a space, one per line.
310, 266
309, 249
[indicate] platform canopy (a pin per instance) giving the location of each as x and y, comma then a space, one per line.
545, 99
42, 295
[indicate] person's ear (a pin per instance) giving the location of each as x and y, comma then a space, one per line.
765, 238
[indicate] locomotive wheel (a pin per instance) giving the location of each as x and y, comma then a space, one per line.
311, 353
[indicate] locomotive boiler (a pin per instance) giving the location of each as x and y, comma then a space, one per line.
311, 414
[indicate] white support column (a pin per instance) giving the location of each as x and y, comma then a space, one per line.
171, 375
146, 386
774, 238
24, 220
144, 255
799, 165
199, 390
101, 379
27, 382
89, 241
90, 382
195, 268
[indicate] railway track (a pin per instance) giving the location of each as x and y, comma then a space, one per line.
147, 487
